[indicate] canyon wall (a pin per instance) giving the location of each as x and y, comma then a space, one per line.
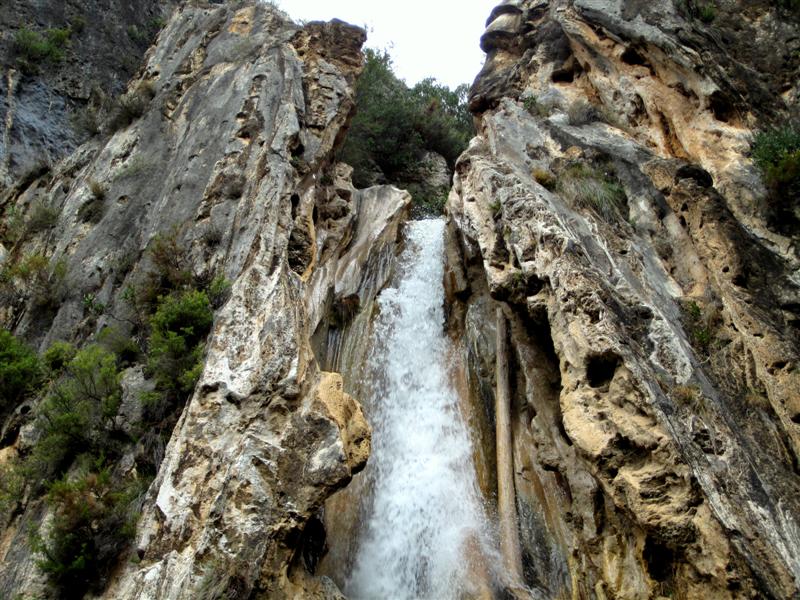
609, 206
229, 162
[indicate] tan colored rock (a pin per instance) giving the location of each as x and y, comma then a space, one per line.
348, 416
654, 438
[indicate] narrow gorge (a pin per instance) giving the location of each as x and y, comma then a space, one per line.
226, 372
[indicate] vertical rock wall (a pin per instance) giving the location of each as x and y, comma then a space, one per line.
608, 206
232, 158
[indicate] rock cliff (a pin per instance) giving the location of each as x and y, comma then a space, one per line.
57, 60
610, 207
228, 169
622, 294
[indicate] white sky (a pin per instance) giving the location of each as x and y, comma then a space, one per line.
425, 38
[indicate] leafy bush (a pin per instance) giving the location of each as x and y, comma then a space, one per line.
130, 106
76, 417
32, 48
41, 217
92, 210
94, 517
581, 112
178, 330
57, 357
707, 13
776, 152
395, 125
545, 178
20, 371
42, 279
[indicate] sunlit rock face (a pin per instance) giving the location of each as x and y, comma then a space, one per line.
608, 204
233, 158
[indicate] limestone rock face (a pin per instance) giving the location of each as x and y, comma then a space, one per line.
609, 206
41, 104
232, 159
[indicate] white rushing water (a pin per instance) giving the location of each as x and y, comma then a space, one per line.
424, 533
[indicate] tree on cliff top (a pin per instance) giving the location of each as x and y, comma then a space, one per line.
394, 124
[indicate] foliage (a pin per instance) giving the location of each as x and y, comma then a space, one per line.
41, 217
57, 357
94, 516
776, 152
707, 13
395, 125
92, 210
77, 413
545, 178
700, 326
219, 290
582, 112
130, 106
592, 188
20, 371
33, 49
178, 330
39, 279
537, 108
145, 35
97, 189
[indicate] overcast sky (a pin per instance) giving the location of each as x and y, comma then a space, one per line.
426, 38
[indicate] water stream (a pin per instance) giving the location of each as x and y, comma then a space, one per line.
424, 531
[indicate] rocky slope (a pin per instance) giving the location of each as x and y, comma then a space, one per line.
230, 161
47, 97
609, 206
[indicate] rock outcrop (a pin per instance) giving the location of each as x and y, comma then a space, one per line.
46, 99
231, 161
609, 206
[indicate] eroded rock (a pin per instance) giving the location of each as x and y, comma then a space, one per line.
603, 204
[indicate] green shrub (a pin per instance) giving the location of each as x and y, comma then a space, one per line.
707, 13
582, 112
33, 49
57, 357
93, 209
121, 345
20, 371
545, 178
537, 108
178, 330
12, 489
94, 519
86, 121
219, 290
395, 125
130, 106
41, 217
78, 24
76, 416
43, 280
776, 152
700, 325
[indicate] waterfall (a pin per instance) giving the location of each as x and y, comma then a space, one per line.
424, 532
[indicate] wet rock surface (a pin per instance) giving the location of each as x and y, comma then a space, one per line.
609, 206
232, 160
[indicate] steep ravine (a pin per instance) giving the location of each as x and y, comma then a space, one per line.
605, 403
